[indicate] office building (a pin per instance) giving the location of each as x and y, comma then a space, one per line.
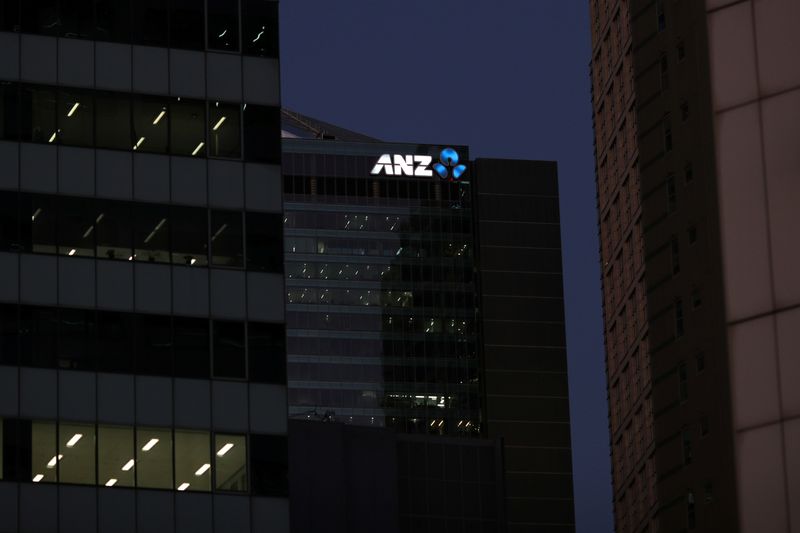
142, 358
424, 294
696, 113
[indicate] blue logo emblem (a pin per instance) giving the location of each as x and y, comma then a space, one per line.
449, 167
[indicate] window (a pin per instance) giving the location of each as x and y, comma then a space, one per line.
189, 236
191, 347
38, 336
9, 110
672, 196
697, 299
704, 426
76, 220
44, 459
9, 335
683, 382
229, 350
186, 24
231, 459
115, 451
9, 226
151, 234
149, 20
113, 121
269, 460
679, 318
227, 239
224, 127
264, 242
76, 18
262, 140
150, 124
664, 71
76, 336
684, 111
113, 230
223, 25
116, 341
40, 16
113, 21
188, 127
667, 129
9, 15
76, 449
154, 345
38, 114
267, 352
260, 27
153, 461
192, 461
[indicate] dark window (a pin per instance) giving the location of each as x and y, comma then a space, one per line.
9, 111
687, 447
150, 124
16, 450
186, 24
266, 345
676, 262
224, 130
229, 352
40, 16
9, 334
191, 347
260, 27
262, 141
679, 318
154, 345
38, 223
151, 233
38, 336
683, 382
189, 236
76, 221
38, 114
269, 463
672, 196
113, 121
226, 238
114, 230
150, 22
116, 343
664, 71
9, 221
113, 20
264, 242
188, 131
667, 128
9, 15
77, 18
223, 25
76, 339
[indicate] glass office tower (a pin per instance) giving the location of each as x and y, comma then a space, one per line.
142, 359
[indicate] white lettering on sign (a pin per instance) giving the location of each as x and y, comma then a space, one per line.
403, 165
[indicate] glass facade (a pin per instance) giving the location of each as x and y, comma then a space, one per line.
143, 457
381, 306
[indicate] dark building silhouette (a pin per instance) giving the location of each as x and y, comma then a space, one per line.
142, 337
696, 106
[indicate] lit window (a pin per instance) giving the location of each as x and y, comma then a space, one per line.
153, 461
231, 459
192, 461
115, 450
76, 447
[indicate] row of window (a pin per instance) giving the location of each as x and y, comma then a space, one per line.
437, 223
429, 192
395, 247
380, 323
143, 457
173, 23
109, 341
141, 123
463, 402
435, 299
131, 231
416, 273
440, 348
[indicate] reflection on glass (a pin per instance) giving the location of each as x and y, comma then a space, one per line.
192, 461
44, 460
76, 448
223, 25
188, 127
260, 27
231, 458
115, 450
224, 130
153, 458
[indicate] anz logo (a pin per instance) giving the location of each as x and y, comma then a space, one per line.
447, 168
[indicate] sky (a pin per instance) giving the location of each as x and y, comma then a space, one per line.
508, 78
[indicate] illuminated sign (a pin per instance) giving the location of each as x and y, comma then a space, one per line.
447, 168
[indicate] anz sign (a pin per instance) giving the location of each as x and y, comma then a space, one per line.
447, 168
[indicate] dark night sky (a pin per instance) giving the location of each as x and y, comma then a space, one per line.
510, 79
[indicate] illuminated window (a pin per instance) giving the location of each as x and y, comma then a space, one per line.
231, 460
44, 458
115, 452
76, 449
153, 461
192, 461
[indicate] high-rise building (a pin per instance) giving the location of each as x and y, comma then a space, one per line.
696, 113
424, 294
142, 359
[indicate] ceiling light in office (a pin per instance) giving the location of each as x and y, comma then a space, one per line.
199, 146
150, 444
74, 108
77, 436
225, 449
202, 470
